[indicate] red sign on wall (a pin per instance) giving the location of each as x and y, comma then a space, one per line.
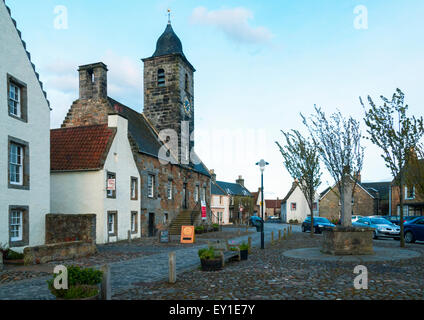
204, 210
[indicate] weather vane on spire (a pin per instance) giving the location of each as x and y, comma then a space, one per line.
169, 16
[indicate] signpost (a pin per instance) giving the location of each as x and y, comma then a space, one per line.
187, 234
164, 236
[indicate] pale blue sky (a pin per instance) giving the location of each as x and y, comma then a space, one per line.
259, 63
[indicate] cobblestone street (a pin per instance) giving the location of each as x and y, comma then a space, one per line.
265, 275
269, 275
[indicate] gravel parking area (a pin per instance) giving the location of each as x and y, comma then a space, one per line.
268, 275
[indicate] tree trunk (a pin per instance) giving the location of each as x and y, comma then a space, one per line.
401, 194
311, 208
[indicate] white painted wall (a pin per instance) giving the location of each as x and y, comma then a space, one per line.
14, 61
85, 192
302, 207
223, 207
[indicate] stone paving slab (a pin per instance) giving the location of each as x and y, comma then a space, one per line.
381, 254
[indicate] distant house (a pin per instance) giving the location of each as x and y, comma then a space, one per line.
220, 203
294, 206
93, 171
273, 208
240, 200
371, 198
413, 198
24, 142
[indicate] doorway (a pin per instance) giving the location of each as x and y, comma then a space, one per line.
152, 227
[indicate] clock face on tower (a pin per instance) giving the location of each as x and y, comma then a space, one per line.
187, 106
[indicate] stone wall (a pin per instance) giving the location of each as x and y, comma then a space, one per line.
70, 227
58, 252
364, 204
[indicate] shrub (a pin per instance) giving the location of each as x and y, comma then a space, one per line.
82, 283
296, 221
244, 246
215, 227
199, 229
13, 255
207, 254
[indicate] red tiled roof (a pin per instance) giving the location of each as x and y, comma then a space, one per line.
273, 203
80, 148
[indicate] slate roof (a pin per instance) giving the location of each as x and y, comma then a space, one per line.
383, 188
168, 43
80, 148
28, 54
216, 190
145, 137
234, 189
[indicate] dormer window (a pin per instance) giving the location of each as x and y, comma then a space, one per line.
161, 78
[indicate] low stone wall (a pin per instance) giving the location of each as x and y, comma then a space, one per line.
348, 241
70, 227
58, 251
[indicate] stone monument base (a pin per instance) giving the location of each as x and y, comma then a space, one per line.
343, 241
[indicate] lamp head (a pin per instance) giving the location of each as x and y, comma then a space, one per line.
262, 164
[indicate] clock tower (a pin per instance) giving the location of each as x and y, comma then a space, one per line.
169, 91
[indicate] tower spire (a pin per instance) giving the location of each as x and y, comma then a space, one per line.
169, 16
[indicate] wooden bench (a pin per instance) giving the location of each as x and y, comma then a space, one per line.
224, 249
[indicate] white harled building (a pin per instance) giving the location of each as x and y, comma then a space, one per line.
24, 142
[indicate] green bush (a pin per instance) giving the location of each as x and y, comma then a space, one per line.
199, 229
244, 246
291, 221
207, 254
215, 226
82, 283
13, 255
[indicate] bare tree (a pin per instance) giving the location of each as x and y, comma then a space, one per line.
338, 140
397, 136
301, 159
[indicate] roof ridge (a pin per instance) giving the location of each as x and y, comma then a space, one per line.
81, 127
28, 54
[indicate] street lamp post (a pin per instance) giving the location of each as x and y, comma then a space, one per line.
262, 165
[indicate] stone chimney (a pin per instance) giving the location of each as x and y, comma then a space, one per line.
240, 180
93, 81
358, 177
213, 175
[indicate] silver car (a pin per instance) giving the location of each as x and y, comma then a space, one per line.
383, 228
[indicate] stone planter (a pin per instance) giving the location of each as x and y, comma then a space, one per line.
19, 262
96, 297
244, 254
211, 264
343, 241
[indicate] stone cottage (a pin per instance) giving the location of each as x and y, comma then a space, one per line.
173, 181
368, 199
24, 142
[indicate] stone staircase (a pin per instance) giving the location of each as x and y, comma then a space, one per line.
183, 219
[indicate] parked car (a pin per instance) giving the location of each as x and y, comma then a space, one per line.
396, 219
274, 220
356, 218
414, 230
319, 224
383, 227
